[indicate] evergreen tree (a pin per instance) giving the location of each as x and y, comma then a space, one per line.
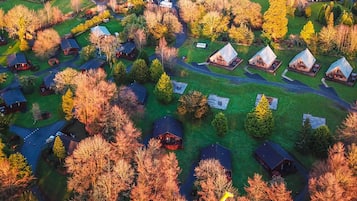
275, 24
156, 70
19, 162
260, 122
67, 104
143, 55
139, 71
164, 89
58, 148
321, 140
220, 123
302, 144
307, 32
119, 73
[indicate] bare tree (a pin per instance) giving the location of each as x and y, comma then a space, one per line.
140, 38
129, 102
76, 5
109, 45
36, 112
47, 43
167, 54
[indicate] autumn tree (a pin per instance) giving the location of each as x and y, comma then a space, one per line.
2, 21
194, 104
119, 73
320, 140
214, 24
65, 80
166, 53
347, 132
106, 44
156, 70
47, 43
307, 32
211, 180
191, 13
164, 89
140, 38
241, 34
260, 122
333, 178
247, 12
352, 157
3, 77
161, 22
139, 71
345, 40
20, 21
220, 124
87, 52
157, 174
327, 36
133, 25
128, 101
96, 173
15, 176
49, 15
76, 5
67, 104
58, 148
275, 22
92, 97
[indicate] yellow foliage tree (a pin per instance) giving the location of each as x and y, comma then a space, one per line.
275, 22
67, 104
307, 32
58, 148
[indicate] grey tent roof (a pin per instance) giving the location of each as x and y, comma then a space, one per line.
218, 152
306, 57
49, 79
139, 91
92, 64
12, 96
227, 53
100, 30
69, 43
168, 124
272, 154
343, 65
127, 47
267, 55
16, 58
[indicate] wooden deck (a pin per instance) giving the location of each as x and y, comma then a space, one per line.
272, 69
312, 73
231, 67
351, 81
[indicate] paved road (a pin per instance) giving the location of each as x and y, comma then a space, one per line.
35, 140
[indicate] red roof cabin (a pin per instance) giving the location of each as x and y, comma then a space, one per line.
18, 62
69, 46
169, 131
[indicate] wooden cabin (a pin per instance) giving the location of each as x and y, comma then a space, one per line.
48, 84
18, 62
69, 46
13, 100
169, 131
127, 50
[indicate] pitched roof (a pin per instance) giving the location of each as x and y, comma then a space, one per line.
343, 65
16, 58
69, 43
69, 143
127, 47
100, 30
139, 91
227, 52
272, 154
92, 64
218, 152
167, 124
49, 79
13, 95
267, 55
305, 56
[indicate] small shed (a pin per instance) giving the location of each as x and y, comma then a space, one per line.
274, 159
127, 50
140, 92
339, 70
263, 58
69, 46
13, 100
100, 31
220, 153
92, 64
169, 131
18, 62
48, 83
304, 61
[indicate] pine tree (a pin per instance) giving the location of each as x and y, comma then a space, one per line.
156, 70
164, 89
260, 122
307, 32
67, 104
275, 24
302, 144
119, 73
58, 148
321, 140
220, 123
139, 71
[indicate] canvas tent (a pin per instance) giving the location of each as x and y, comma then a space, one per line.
264, 58
224, 56
339, 70
303, 61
